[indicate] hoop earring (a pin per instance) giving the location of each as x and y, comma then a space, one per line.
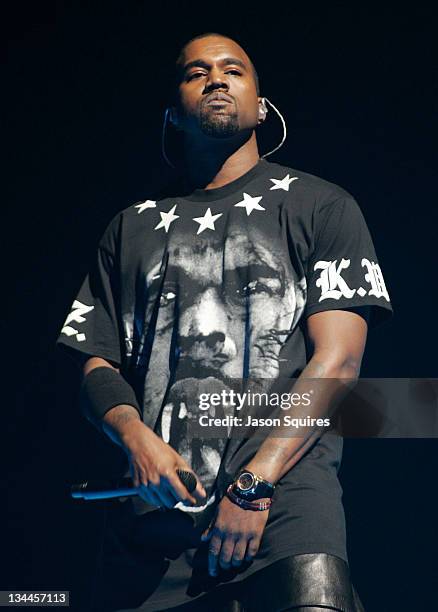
283, 123
163, 136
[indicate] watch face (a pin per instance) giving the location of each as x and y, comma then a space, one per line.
245, 481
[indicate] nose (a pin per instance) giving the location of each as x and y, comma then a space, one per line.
216, 80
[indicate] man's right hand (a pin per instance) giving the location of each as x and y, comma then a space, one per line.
153, 465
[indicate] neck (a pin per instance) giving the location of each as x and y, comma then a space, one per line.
214, 163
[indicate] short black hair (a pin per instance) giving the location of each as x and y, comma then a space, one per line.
180, 60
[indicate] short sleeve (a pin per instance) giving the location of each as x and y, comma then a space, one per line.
92, 325
343, 271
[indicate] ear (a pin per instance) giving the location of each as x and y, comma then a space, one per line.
262, 110
173, 116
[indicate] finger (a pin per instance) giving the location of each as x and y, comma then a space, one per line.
206, 536
178, 488
158, 485
227, 551
199, 493
170, 491
148, 495
134, 475
166, 498
145, 488
179, 491
239, 553
209, 531
214, 550
252, 549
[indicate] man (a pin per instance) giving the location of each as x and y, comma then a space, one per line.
246, 270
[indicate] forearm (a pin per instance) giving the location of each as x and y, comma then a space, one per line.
121, 419
281, 450
119, 422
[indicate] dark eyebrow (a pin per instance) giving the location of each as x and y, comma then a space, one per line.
226, 62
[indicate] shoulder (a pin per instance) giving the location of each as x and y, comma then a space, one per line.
314, 190
166, 190
134, 218
123, 224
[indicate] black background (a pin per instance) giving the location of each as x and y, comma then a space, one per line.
86, 86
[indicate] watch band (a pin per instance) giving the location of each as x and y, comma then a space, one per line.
245, 504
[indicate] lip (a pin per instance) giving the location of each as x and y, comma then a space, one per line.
221, 97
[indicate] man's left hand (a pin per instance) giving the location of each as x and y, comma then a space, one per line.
234, 534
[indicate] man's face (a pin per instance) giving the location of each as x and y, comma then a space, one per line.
213, 66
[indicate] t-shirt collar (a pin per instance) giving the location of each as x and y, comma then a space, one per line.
209, 195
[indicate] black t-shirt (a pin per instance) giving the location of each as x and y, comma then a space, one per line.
190, 290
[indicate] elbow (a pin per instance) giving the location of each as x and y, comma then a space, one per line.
349, 369
339, 365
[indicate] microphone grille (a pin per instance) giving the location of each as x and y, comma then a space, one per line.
188, 480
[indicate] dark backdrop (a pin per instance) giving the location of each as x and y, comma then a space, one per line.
86, 88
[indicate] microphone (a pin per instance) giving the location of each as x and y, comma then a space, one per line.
103, 490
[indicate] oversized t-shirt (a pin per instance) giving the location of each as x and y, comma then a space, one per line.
199, 287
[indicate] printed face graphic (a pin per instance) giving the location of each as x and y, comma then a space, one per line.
235, 306
225, 310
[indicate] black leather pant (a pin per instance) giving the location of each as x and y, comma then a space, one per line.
314, 581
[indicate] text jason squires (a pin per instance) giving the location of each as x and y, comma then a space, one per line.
237, 401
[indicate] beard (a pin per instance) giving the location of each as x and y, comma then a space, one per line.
219, 125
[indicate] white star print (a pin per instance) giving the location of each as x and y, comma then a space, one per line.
250, 203
146, 204
283, 183
166, 219
207, 221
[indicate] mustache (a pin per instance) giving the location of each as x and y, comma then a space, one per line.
218, 95
203, 106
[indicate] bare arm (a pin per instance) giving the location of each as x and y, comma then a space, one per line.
338, 338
